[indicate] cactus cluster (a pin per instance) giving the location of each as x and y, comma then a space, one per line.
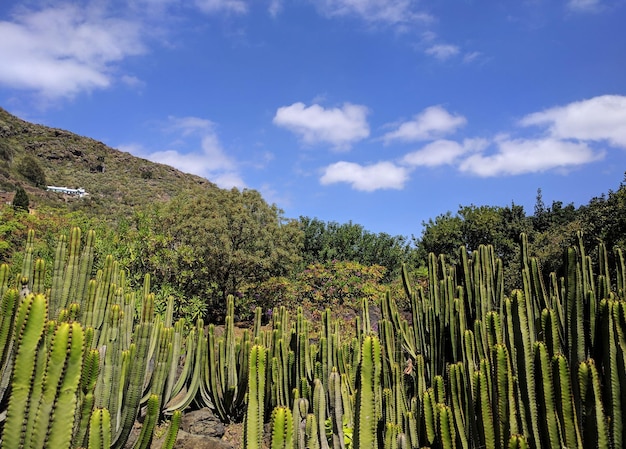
469, 367
76, 363
544, 367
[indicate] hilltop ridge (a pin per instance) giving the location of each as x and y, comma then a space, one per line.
116, 181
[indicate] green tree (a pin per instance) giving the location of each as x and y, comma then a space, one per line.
30, 169
442, 235
20, 200
213, 243
325, 242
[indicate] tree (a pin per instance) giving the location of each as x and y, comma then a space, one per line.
21, 201
325, 242
30, 169
209, 244
443, 235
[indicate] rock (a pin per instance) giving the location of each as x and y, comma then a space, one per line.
186, 440
202, 422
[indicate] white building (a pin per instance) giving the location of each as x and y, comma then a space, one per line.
80, 192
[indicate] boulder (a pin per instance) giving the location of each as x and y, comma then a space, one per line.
202, 422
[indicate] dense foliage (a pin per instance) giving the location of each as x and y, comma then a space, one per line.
550, 230
20, 200
30, 169
211, 244
325, 242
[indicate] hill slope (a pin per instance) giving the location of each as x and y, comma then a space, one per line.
116, 181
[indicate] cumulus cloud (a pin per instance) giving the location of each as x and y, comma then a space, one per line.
393, 12
442, 51
65, 50
382, 175
442, 152
209, 160
520, 156
340, 127
216, 6
600, 118
430, 124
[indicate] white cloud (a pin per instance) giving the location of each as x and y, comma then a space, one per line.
393, 12
276, 6
64, 50
338, 126
209, 160
382, 175
442, 51
471, 57
442, 152
583, 5
216, 6
600, 118
430, 124
516, 157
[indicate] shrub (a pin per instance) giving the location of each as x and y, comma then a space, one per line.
30, 169
21, 201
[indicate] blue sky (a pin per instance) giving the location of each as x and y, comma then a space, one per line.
383, 112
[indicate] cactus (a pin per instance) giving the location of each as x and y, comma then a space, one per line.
369, 395
45, 379
282, 428
86, 397
545, 392
595, 423
29, 326
172, 430
336, 409
568, 415
147, 429
100, 429
253, 428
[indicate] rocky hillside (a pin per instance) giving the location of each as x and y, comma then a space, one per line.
116, 181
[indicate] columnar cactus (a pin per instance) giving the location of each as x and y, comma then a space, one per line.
369, 395
282, 428
253, 429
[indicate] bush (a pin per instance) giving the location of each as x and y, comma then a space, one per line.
30, 169
21, 201
6, 152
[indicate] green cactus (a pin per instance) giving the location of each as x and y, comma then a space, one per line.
91, 367
446, 427
336, 409
594, 420
369, 395
545, 393
138, 361
312, 432
518, 442
253, 428
568, 415
100, 429
149, 423
320, 412
29, 330
282, 428
460, 405
8, 305
172, 430
187, 386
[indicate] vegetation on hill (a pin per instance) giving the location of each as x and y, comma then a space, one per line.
117, 182
201, 243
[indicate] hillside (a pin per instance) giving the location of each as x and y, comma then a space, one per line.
116, 181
